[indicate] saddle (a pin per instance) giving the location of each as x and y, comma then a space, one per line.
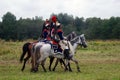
54, 45
57, 48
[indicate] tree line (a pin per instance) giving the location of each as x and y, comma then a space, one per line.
30, 28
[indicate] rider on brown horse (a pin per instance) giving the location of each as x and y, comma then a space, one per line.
46, 30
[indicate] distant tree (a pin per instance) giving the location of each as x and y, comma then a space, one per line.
30, 28
114, 22
108, 26
1, 30
116, 32
9, 26
79, 24
65, 19
93, 28
68, 29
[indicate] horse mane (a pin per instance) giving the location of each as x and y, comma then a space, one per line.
71, 36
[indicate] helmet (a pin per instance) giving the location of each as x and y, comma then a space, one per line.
54, 18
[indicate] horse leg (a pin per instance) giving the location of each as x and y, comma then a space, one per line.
25, 50
76, 62
62, 62
22, 56
56, 63
21, 59
41, 60
25, 60
42, 64
67, 61
34, 63
69, 67
51, 61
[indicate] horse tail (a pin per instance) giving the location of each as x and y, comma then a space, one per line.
25, 50
37, 53
35, 57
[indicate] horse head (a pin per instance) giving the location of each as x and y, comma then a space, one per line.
80, 40
83, 41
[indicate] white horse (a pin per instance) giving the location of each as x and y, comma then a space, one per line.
76, 41
44, 50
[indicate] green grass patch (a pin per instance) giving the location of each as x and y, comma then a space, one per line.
99, 61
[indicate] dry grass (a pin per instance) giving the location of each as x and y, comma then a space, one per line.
100, 61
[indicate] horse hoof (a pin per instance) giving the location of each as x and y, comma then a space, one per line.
22, 70
66, 70
53, 70
49, 69
79, 71
31, 70
70, 70
34, 70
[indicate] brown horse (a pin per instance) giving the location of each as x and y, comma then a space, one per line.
26, 49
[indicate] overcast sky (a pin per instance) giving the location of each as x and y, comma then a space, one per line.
44, 8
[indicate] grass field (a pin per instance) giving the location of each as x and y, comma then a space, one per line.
99, 61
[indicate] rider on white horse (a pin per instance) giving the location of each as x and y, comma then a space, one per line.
52, 33
56, 28
56, 33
